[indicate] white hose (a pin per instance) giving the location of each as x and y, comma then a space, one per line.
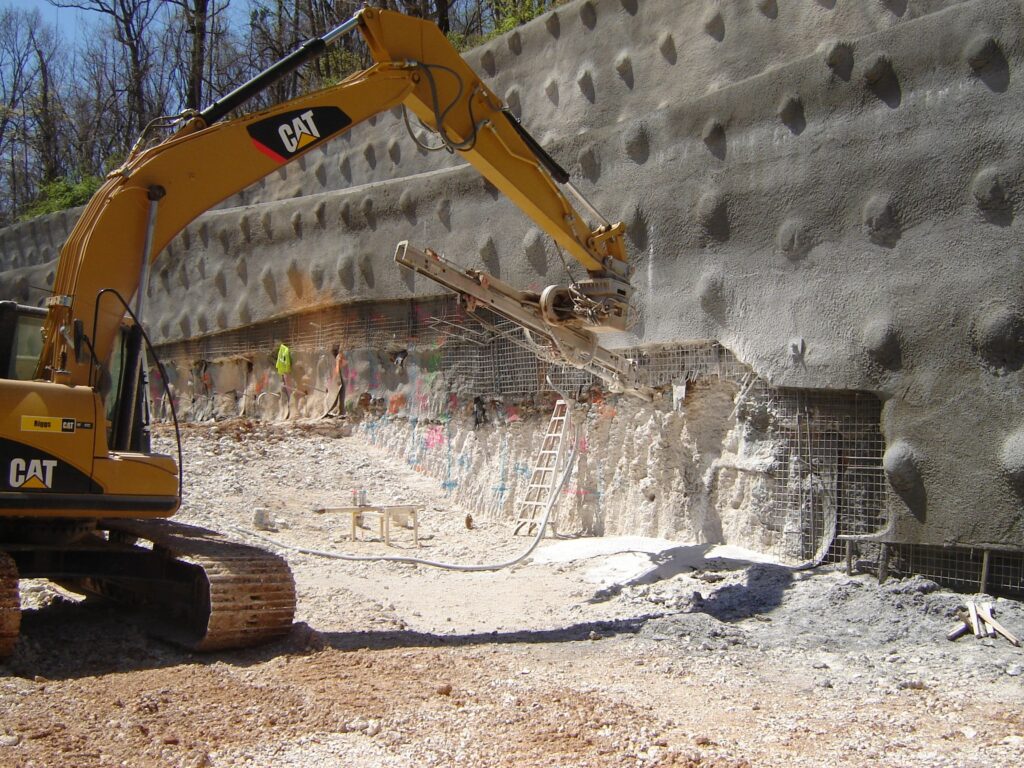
828, 535
556, 492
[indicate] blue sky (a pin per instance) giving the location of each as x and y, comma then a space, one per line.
68, 21
53, 15
71, 22
44, 8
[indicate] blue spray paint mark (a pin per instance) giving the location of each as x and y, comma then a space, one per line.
449, 483
502, 486
371, 426
411, 451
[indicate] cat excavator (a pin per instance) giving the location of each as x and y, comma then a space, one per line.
84, 501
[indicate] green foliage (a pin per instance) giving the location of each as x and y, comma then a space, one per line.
60, 194
336, 65
463, 42
510, 14
507, 15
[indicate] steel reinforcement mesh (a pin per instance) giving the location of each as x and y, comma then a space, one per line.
961, 568
827, 476
351, 326
486, 354
827, 479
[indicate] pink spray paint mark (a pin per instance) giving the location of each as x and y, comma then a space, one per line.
435, 437
577, 492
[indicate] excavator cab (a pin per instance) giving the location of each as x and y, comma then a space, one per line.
122, 387
21, 340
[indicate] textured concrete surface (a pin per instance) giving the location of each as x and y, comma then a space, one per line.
830, 188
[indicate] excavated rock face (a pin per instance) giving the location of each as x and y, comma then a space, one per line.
828, 189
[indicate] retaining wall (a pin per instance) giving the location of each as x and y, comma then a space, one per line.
829, 188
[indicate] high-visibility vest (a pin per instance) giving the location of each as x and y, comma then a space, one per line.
284, 360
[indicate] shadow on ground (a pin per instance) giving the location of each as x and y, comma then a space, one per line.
761, 591
763, 585
66, 641
386, 639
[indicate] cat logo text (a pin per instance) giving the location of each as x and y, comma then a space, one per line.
291, 133
33, 474
299, 132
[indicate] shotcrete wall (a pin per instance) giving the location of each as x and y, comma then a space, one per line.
827, 188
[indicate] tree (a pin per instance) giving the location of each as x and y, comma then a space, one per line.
272, 35
46, 108
99, 127
15, 68
31, 111
204, 30
441, 15
130, 21
196, 19
70, 114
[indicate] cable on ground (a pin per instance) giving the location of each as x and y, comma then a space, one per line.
555, 494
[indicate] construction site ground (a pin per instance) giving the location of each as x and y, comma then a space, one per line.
618, 652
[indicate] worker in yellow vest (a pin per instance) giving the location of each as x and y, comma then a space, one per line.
284, 360
283, 365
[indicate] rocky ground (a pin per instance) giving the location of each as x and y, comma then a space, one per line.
625, 652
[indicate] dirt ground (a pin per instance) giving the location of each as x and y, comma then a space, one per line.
625, 652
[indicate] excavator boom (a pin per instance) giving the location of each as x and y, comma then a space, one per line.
159, 190
78, 483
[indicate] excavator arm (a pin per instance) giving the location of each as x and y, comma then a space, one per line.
160, 189
73, 500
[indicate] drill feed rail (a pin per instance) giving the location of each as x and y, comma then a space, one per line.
574, 346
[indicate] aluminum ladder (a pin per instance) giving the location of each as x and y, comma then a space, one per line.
547, 469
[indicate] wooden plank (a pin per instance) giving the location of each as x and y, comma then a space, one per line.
959, 630
986, 610
975, 620
985, 614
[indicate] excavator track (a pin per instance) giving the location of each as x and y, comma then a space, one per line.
221, 594
10, 606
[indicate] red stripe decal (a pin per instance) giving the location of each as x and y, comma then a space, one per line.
269, 152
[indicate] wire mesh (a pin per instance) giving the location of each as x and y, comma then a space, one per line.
826, 481
961, 568
956, 568
350, 326
827, 477
481, 352
665, 365
1006, 573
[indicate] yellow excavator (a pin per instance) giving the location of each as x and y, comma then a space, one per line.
84, 501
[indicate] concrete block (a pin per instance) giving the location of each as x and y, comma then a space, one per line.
714, 25
588, 14
998, 337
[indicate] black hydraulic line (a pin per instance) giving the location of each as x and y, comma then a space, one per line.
160, 366
125, 427
310, 49
558, 173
